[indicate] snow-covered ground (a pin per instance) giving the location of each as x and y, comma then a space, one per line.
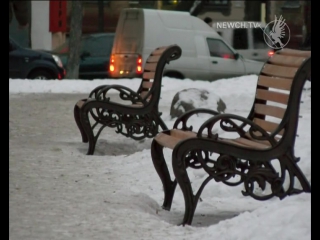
56, 191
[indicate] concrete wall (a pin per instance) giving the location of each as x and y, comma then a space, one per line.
40, 36
237, 13
295, 19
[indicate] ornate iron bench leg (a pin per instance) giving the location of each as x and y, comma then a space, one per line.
85, 123
163, 172
76, 113
292, 165
180, 172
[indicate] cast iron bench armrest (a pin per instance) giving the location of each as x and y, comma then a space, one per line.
94, 92
184, 117
228, 125
125, 93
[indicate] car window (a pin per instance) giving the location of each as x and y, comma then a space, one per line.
218, 48
258, 39
240, 38
12, 45
98, 46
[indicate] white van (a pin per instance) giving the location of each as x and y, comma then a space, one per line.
205, 55
247, 38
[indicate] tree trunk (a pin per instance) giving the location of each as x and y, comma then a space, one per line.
74, 40
101, 16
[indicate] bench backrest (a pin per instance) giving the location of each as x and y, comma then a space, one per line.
278, 93
150, 87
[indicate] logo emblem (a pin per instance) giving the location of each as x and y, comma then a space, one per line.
279, 33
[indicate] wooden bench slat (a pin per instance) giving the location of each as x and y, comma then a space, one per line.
166, 140
267, 125
153, 59
182, 134
252, 144
158, 51
272, 82
148, 75
143, 94
137, 105
286, 60
232, 141
242, 142
272, 96
80, 103
279, 71
175, 136
247, 134
294, 52
147, 84
268, 110
178, 135
150, 66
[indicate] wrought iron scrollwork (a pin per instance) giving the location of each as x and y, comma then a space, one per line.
261, 176
183, 119
125, 94
252, 174
134, 126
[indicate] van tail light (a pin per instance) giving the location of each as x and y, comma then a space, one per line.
111, 64
139, 65
270, 53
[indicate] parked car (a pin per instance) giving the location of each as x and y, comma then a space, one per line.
25, 63
94, 55
205, 54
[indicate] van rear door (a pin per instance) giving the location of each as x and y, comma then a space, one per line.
126, 59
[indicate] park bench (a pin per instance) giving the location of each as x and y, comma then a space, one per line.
138, 116
262, 152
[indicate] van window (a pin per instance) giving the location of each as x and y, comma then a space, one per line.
240, 38
218, 48
258, 39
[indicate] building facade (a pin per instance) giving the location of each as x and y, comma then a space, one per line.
50, 19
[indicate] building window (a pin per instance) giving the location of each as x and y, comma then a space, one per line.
291, 4
258, 38
240, 38
223, 6
217, 2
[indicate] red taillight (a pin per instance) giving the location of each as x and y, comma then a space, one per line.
270, 53
227, 56
139, 65
111, 65
59, 76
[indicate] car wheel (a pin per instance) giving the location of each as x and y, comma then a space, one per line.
41, 74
